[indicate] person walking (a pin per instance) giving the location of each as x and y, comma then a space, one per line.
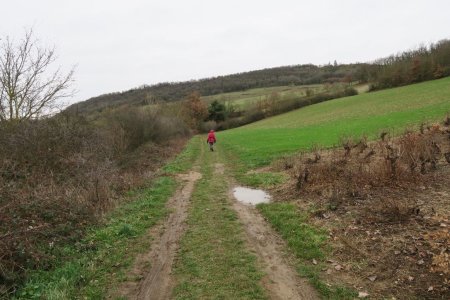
211, 140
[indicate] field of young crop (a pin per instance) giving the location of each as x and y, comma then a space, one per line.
250, 97
326, 123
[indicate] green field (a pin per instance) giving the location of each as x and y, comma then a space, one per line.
324, 124
247, 99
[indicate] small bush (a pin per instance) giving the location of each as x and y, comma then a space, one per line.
136, 127
447, 120
207, 126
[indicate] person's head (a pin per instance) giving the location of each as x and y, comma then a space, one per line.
211, 131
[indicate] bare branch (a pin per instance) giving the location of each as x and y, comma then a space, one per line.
27, 87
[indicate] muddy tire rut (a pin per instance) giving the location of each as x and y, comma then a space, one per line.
155, 282
281, 280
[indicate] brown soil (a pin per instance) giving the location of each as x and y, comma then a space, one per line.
281, 280
391, 241
155, 282
391, 258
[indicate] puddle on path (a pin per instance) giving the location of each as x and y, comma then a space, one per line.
250, 196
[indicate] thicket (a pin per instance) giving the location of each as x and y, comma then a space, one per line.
59, 175
421, 64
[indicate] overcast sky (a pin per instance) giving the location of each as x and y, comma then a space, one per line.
118, 45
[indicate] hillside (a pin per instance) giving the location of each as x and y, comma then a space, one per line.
174, 91
325, 123
361, 202
407, 67
334, 215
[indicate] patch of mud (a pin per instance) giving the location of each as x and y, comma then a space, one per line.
250, 196
219, 169
155, 282
281, 280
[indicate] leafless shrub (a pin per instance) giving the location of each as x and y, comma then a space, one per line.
28, 89
316, 155
422, 128
208, 125
137, 127
316, 151
369, 154
348, 145
419, 150
391, 158
286, 163
362, 144
383, 135
447, 157
387, 163
302, 177
447, 120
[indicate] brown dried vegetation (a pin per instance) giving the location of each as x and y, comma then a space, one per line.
360, 166
60, 175
386, 205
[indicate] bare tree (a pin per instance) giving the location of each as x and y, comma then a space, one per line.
28, 85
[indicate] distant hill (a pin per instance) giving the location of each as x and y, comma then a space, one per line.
407, 67
174, 91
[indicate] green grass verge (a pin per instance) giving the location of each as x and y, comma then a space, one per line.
212, 262
324, 124
262, 179
307, 243
258, 179
84, 269
185, 159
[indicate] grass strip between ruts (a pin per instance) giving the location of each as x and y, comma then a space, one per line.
212, 262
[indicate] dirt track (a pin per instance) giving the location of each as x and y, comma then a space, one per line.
157, 282
281, 281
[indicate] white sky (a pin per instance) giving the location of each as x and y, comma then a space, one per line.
118, 45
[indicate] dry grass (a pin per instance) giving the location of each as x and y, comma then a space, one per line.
359, 167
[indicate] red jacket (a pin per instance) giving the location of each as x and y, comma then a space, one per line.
211, 137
